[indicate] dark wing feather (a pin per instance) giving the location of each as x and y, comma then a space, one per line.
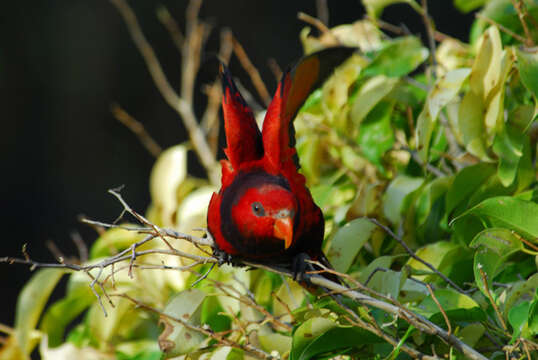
243, 137
296, 85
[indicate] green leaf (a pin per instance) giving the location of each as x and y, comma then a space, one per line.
387, 282
168, 173
533, 316
468, 5
517, 316
444, 90
375, 133
319, 335
471, 124
527, 63
374, 8
507, 212
397, 190
370, 93
493, 247
176, 339
59, 315
380, 262
519, 290
501, 241
31, 302
508, 145
112, 241
466, 182
486, 71
471, 333
348, 241
212, 315
398, 58
275, 341
458, 307
434, 254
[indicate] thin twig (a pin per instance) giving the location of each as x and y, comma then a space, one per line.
171, 25
203, 330
428, 23
501, 27
81, 246
399, 30
414, 256
447, 321
252, 72
322, 10
529, 42
192, 47
138, 129
275, 69
180, 105
210, 119
491, 300
317, 23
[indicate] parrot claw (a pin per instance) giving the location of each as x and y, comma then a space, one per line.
299, 267
222, 257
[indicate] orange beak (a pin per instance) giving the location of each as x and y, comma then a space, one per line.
283, 229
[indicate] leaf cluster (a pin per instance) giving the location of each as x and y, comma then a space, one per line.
438, 144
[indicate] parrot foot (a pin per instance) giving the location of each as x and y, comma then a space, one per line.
222, 257
299, 267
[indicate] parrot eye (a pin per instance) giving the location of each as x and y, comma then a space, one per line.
257, 208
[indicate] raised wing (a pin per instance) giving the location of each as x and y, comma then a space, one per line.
293, 90
243, 137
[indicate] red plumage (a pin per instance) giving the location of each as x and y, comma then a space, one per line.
263, 211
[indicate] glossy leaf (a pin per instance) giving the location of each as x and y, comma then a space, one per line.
398, 58
445, 89
518, 318
369, 95
396, 192
527, 63
466, 182
376, 135
167, 175
176, 339
320, 335
374, 8
493, 246
348, 241
508, 212
458, 307
31, 302
468, 5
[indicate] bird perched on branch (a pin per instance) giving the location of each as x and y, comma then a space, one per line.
264, 212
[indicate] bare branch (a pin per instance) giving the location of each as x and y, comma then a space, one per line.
529, 42
322, 10
138, 129
203, 330
501, 27
275, 69
447, 321
171, 25
81, 246
491, 300
252, 72
414, 256
210, 119
430, 31
180, 105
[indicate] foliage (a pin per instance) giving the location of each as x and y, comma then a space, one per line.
439, 146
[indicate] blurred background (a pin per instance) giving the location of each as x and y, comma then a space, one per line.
64, 62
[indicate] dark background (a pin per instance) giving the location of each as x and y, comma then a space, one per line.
63, 62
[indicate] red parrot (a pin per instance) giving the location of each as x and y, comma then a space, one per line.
264, 212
